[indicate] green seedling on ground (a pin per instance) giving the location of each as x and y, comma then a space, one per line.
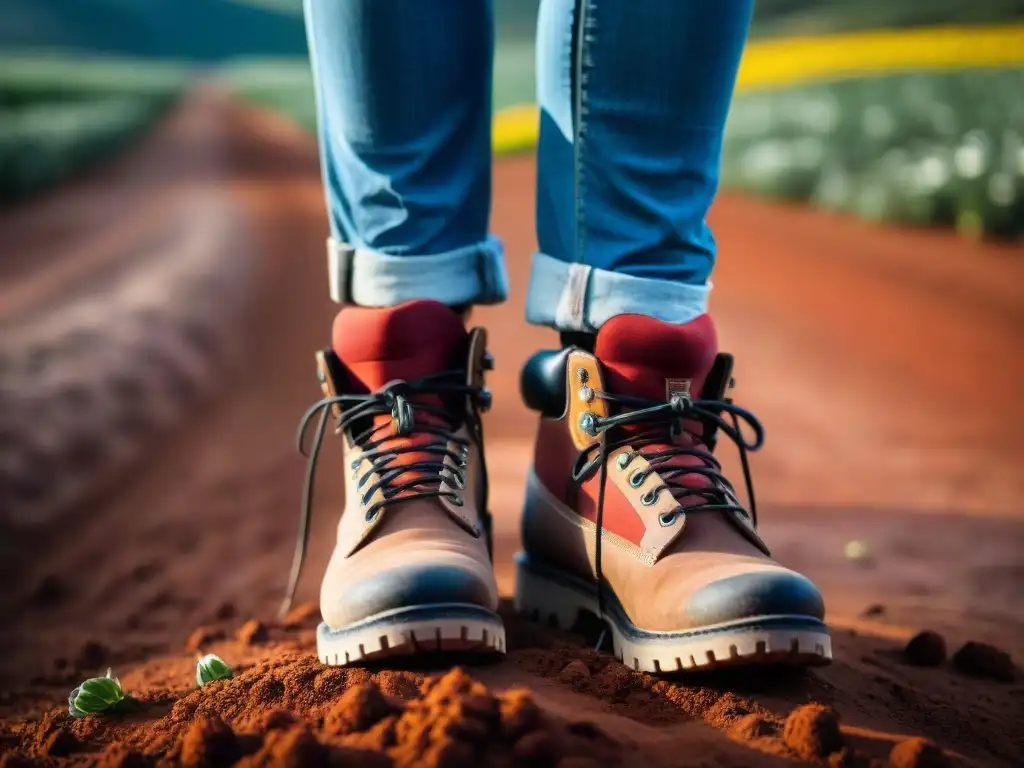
211, 667
95, 695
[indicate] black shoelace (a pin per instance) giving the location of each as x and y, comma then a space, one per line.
656, 423
401, 482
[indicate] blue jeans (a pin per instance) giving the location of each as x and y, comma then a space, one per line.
633, 97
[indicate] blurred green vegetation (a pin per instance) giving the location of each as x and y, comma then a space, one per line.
59, 116
801, 17
926, 149
28, 79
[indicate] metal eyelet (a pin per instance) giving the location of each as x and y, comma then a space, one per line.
455, 500
637, 478
650, 497
485, 399
623, 460
355, 463
668, 518
586, 394
582, 376
458, 480
588, 423
371, 514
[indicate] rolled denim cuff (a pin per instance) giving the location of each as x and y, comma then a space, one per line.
576, 297
475, 274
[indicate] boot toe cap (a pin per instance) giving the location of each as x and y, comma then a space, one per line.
413, 586
753, 595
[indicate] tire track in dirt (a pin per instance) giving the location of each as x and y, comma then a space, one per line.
109, 337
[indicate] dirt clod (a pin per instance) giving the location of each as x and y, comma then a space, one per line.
294, 748
847, 758
359, 709
918, 753
986, 661
519, 714
60, 743
574, 672
120, 756
209, 742
926, 649
253, 632
277, 720
812, 731
202, 637
752, 727
538, 748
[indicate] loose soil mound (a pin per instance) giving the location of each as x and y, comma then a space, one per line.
293, 711
581, 708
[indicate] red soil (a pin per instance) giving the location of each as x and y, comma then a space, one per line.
882, 362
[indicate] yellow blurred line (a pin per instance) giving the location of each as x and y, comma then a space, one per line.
788, 61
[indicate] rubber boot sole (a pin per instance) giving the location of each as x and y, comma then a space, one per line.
423, 629
546, 594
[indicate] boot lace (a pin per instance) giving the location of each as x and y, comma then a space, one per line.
383, 443
654, 423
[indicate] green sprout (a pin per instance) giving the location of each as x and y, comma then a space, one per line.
211, 667
97, 694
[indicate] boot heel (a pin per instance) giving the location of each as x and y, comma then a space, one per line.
554, 598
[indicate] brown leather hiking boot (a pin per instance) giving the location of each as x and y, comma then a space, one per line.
629, 517
411, 570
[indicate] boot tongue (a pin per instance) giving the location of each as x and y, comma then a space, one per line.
645, 357
407, 342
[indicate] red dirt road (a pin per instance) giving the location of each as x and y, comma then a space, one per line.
885, 365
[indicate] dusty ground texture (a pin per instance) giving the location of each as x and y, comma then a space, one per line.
885, 365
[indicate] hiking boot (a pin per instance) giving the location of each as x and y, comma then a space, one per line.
411, 570
628, 515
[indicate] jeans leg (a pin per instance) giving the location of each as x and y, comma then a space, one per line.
404, 117
634, 95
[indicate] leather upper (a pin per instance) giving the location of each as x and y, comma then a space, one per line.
670, 567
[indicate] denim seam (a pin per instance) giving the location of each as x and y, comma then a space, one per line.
574, 301
579, 140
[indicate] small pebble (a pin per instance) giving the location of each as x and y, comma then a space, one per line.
873, 610
856, 550
926, 649
985, 661
917, 753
